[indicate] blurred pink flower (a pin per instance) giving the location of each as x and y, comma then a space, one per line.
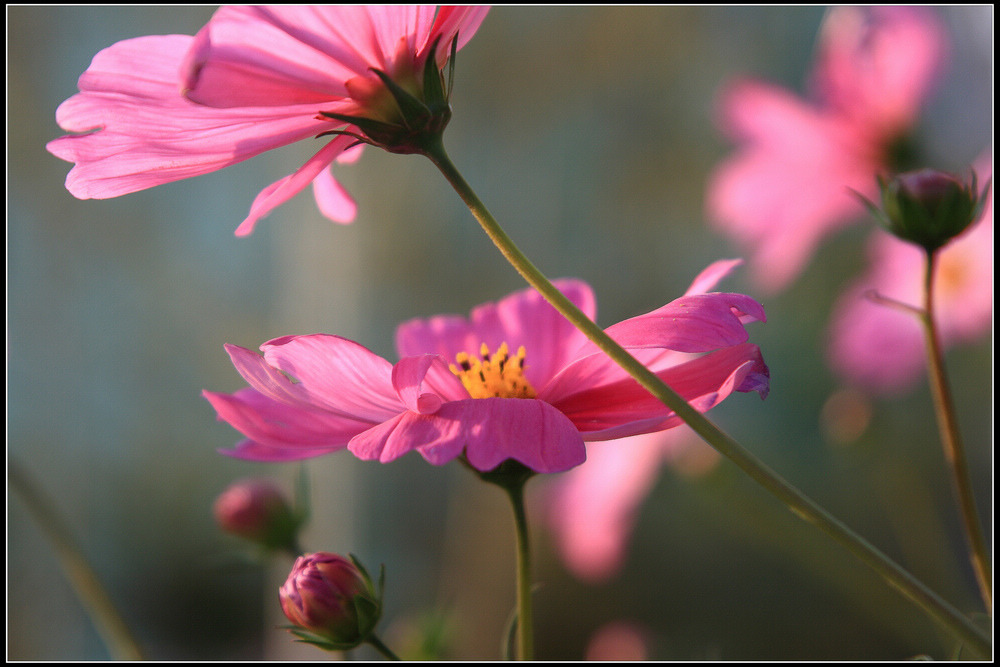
459, 390
789, 183
617, 641
592, 508
161, 108
881, 348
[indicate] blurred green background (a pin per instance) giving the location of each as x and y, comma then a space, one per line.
588, 133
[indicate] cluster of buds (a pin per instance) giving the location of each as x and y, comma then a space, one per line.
331, 601
928, 207
256, 510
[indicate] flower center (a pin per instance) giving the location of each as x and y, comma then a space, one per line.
494, 375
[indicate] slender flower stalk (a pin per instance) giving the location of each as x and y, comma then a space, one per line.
951, 440
896, 576
379, 646
109, 623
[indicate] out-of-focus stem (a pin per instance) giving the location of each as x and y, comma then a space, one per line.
951, 440
109, 623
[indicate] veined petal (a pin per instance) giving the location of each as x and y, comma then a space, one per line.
148, 133
337, 374
488, 430
279, 425
526, 430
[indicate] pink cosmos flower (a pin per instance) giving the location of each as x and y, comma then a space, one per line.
513, 381
161, 108
592, 508
881, 348
789, 183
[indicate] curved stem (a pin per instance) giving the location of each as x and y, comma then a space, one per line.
120, 642
796, 501
951, 440
381, 648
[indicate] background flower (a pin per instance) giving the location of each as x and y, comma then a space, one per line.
156, 109
789, 183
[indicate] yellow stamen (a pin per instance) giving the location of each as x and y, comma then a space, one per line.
494, 375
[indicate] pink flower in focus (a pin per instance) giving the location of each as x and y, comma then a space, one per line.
881, 348
169, 107
789, 183
592, 508
514, 381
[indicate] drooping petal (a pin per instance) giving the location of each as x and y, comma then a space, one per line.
333, 200
281, 191
619, 406
523, 318
337, 374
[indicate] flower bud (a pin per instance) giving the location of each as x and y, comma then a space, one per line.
331, 601
256, 510
929, 207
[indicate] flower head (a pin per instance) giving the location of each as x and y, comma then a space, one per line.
331, 600
513, 381
168, 107
881, 348
790, 182
255, 509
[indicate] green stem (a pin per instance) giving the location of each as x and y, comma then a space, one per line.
81, 575
525, 622
796, 501
381, 648
951, 440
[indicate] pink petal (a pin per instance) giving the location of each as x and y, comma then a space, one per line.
333, 200
592, 507
488, 430
619, 407
280, 426
148, 133
523, 318
337, 374
711, 276
424, 383
877, 64
790, 184
693, 323
248, 450
281, 191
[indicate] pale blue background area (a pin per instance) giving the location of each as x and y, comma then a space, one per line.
588, 133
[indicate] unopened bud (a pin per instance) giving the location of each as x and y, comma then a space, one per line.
331, 600
256, 510
928, 207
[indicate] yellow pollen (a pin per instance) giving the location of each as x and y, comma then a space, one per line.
496, 375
